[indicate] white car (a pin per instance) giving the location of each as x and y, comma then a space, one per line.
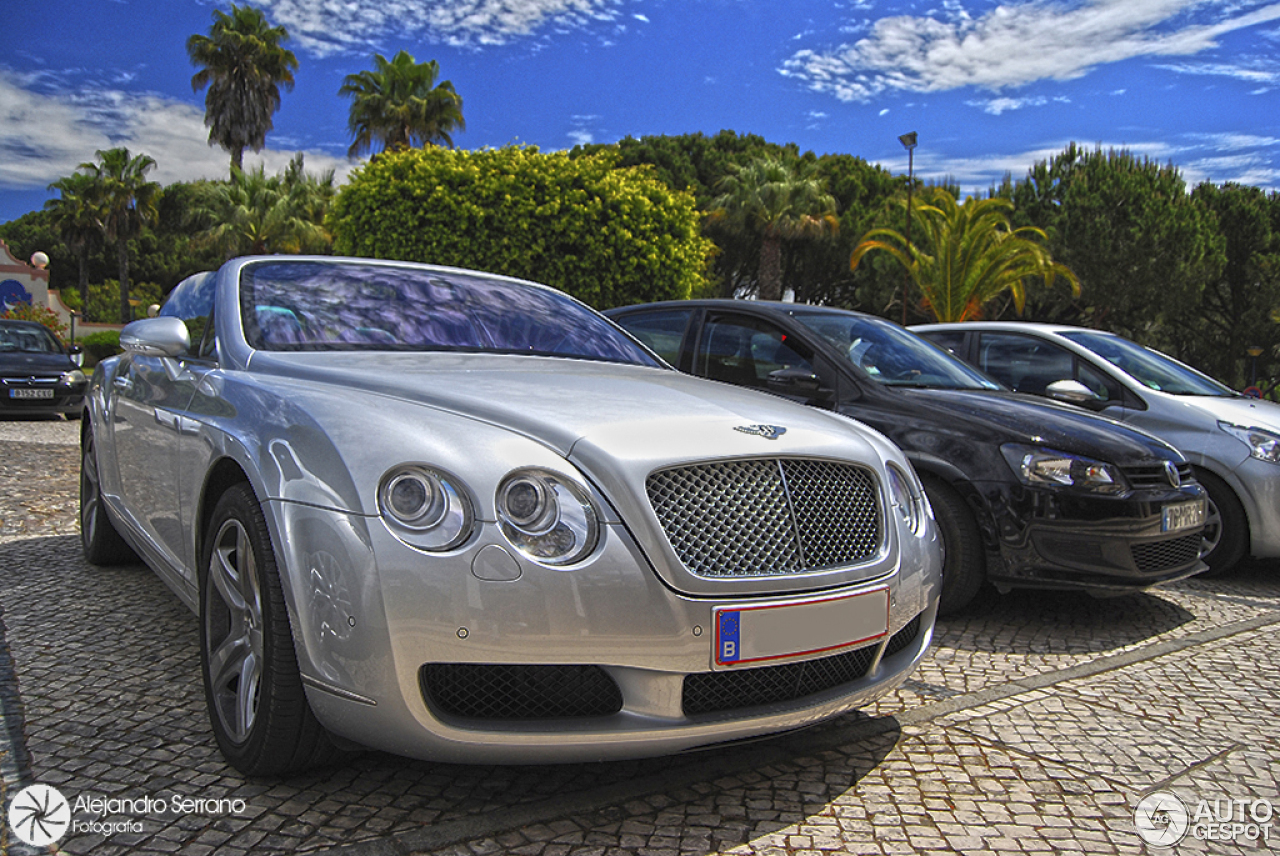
1233, 442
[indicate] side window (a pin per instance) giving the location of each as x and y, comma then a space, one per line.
744, 351
192, 301
1102, 386
662, 331
948, 340
1023, 363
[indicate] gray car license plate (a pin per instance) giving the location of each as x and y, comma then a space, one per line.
1184, 515
31, 393
776, 631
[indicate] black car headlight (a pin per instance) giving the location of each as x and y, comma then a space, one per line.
1050, 468
547, 517
425, 507
72, 378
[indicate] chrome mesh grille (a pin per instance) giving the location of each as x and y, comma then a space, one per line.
767, 517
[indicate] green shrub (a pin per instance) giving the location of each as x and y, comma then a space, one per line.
608, 236
40, 314
98, 346
104, 300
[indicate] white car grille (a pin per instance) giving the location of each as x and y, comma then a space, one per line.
766, 517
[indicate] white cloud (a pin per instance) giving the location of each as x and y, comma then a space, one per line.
45, 136
997, 106
1018, 43
1258, 72
332, 26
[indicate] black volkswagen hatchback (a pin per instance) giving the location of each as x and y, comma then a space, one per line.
37, 374
1026, 493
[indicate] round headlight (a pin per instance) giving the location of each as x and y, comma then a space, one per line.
547, 517
425, 507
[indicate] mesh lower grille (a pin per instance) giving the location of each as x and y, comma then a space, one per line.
767, 517
1167, 555
902, 640
476, 691
714, 692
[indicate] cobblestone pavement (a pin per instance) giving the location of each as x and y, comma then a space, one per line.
1036, 725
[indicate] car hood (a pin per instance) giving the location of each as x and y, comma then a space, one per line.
1015, 417
1246, 412
586, 409
22, 362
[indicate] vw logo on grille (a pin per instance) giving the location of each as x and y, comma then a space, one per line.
1171, 473
769, 432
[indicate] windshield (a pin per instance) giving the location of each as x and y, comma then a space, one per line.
26, 339
331, 306
1150, 368
891, 355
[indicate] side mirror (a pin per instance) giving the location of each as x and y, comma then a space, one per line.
1072, 391
77, 354
797, 382
156, 337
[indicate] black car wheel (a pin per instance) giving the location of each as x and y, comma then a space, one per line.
1226, 531
253, 690
964, 560
101, 543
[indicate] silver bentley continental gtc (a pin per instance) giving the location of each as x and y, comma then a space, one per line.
461, 517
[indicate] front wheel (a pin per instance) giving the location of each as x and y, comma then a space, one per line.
101, 543
964, 559
1226, 530
257, 705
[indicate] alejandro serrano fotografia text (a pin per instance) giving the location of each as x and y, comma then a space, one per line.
102, 806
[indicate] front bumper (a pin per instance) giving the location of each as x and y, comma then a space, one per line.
1050, 540
459, 658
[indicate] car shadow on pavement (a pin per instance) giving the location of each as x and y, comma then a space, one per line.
107, 666
1060, 622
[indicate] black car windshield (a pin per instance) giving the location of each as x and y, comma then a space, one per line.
27, 339
891, 355
1150, 368
330, 306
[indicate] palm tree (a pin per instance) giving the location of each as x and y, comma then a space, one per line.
127, 201
76, 217
399, 103
254, 213
969, 256
766, 197
243, 65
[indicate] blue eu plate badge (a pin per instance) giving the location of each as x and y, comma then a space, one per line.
730, 628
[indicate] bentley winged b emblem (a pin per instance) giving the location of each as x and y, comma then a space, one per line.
769, 432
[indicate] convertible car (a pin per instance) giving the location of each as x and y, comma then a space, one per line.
462, 517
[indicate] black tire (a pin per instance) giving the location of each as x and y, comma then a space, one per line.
99, 538
257, 705
1226, 530
964, 559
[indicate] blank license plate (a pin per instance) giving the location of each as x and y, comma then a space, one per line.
1184, 515
777, 631
31, 393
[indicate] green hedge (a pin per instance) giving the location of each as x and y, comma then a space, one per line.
98, 346
608, 236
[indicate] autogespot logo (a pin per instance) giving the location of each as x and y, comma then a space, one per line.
39, 815
1161, 819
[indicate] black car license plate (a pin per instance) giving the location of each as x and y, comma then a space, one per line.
31, 393
1184, 515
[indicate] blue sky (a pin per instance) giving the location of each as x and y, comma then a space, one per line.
990, 87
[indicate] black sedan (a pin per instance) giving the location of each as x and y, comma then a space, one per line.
1026, 493
37, 374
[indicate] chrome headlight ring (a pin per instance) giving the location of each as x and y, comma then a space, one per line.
547, 517
425, 508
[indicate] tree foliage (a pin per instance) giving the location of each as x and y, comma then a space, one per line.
779, 202
966, 254
78, 218
1141, 246
399, 104
125, 201
244, 66
606, 235
255, 214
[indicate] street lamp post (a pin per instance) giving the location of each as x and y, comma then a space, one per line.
909, 143
1254, 353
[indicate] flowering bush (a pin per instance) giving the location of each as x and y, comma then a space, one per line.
40, 314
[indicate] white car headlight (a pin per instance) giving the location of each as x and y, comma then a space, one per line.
1263, 444
547, 517
1049, 468
425, 507
908, 502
